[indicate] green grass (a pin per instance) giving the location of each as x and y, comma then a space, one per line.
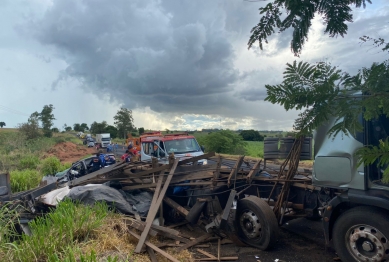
254, 148
22, 180
22, 157
56, 236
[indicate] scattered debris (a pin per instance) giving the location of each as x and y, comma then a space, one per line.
181, 192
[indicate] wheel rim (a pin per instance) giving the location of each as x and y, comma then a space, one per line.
366, 243
250, 225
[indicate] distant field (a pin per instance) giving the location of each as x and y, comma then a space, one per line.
254, 148
4, 129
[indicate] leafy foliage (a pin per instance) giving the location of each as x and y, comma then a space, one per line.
2, 124
124, 122
299, 14
251, 135
50, 165
30, 129
376, 155
323, 91
77, 127
29, 162
98, 128
141, 130
112, 130
224, 141
84, 126
377, 42
46, 116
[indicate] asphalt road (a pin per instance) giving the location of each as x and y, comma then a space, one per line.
300, 240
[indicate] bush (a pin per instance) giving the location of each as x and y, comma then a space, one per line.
225, 141
50, 165
64, 166
29, 162
30, 130
24, 180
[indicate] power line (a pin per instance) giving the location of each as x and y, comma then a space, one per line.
13, 111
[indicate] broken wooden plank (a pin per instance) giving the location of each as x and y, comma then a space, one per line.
154, 207
178, 224
216, 174
140, 225
160, 245
194, 242
253, 171
205, 253
147, 172
143, 186
176, 206
215, 259
163, 253
218, 249
192, 169
235, 169
152, 255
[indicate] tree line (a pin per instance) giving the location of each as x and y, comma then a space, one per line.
41, 124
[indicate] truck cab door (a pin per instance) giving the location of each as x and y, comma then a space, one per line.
147, 149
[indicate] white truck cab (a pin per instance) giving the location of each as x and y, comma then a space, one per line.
103, 139
160, 146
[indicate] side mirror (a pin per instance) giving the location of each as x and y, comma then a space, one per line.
202, 148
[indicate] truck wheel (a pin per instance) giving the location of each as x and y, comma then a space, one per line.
362, 234
256, 223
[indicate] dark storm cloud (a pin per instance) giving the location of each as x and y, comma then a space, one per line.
166, 55
252, 84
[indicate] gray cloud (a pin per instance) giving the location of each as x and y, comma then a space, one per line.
166, 56
175, 57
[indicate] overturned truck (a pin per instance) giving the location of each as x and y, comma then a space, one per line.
246, 201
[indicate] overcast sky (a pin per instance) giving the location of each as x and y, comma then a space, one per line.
177, 64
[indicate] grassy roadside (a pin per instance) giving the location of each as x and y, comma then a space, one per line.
26, 160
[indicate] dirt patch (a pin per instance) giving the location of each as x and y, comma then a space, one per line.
70, 152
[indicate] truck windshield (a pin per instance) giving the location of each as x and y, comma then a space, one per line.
106, 139
181, 146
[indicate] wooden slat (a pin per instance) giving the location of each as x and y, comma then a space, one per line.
147, 172
218, 249
215, 259
163, 253
235, 169
178, 224
205, 253
154, 207
217, 172
253, 171
193, 168
140, 225
194, 242
152, 255
176, 206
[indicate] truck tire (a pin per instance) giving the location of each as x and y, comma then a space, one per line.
256, 223
362, 234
